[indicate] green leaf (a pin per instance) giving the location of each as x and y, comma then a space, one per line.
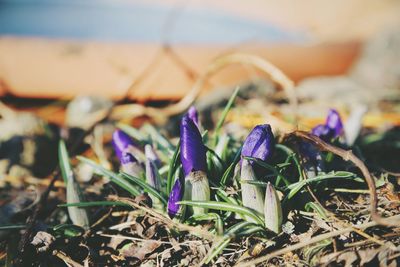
219, 224
231, 233
148, 188
216, 205
134, 133
224, 114
93, 204
269, 167
68, 230
113, 176
172, 166
231, 167
296, 187
12, 227
63, 158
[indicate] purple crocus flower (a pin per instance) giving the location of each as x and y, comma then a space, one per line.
260, 143
121, 141
332, 128
334, 122
175, 196
193, 151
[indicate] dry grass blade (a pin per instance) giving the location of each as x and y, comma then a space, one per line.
313, 240
348, 155
167, 221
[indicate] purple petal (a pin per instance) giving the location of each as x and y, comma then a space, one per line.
322, 131
175, 196
193, 115
334, 122
193, 151
121, 141
260, 143
127, 158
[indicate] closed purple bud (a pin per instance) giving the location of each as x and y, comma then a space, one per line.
334, 122
175, 196
193, 115
120, 142
193, 151
260, 143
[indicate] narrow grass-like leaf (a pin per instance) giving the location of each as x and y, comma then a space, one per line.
172, 167
77, 215
269, 167
230, 234
63, 158
230, 169
12, 227
223, 115
219, 224
292, 155
137, 135
316, 207
113, 176
215, 205
294, 188
157, 137
93, 204
146, 187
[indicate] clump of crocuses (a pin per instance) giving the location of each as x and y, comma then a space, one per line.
260, 144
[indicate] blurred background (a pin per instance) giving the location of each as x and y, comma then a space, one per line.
155, 50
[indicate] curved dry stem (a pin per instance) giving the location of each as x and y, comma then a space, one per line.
348, 155
275, 74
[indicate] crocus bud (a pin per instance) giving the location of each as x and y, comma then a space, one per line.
272, 210
334, 122
193, 151
260, 143
193, 158
175, 196
130, 165
121, 141
193, 115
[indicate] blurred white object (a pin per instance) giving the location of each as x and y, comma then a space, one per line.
353, 124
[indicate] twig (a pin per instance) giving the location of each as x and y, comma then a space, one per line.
348, 155
313, 240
